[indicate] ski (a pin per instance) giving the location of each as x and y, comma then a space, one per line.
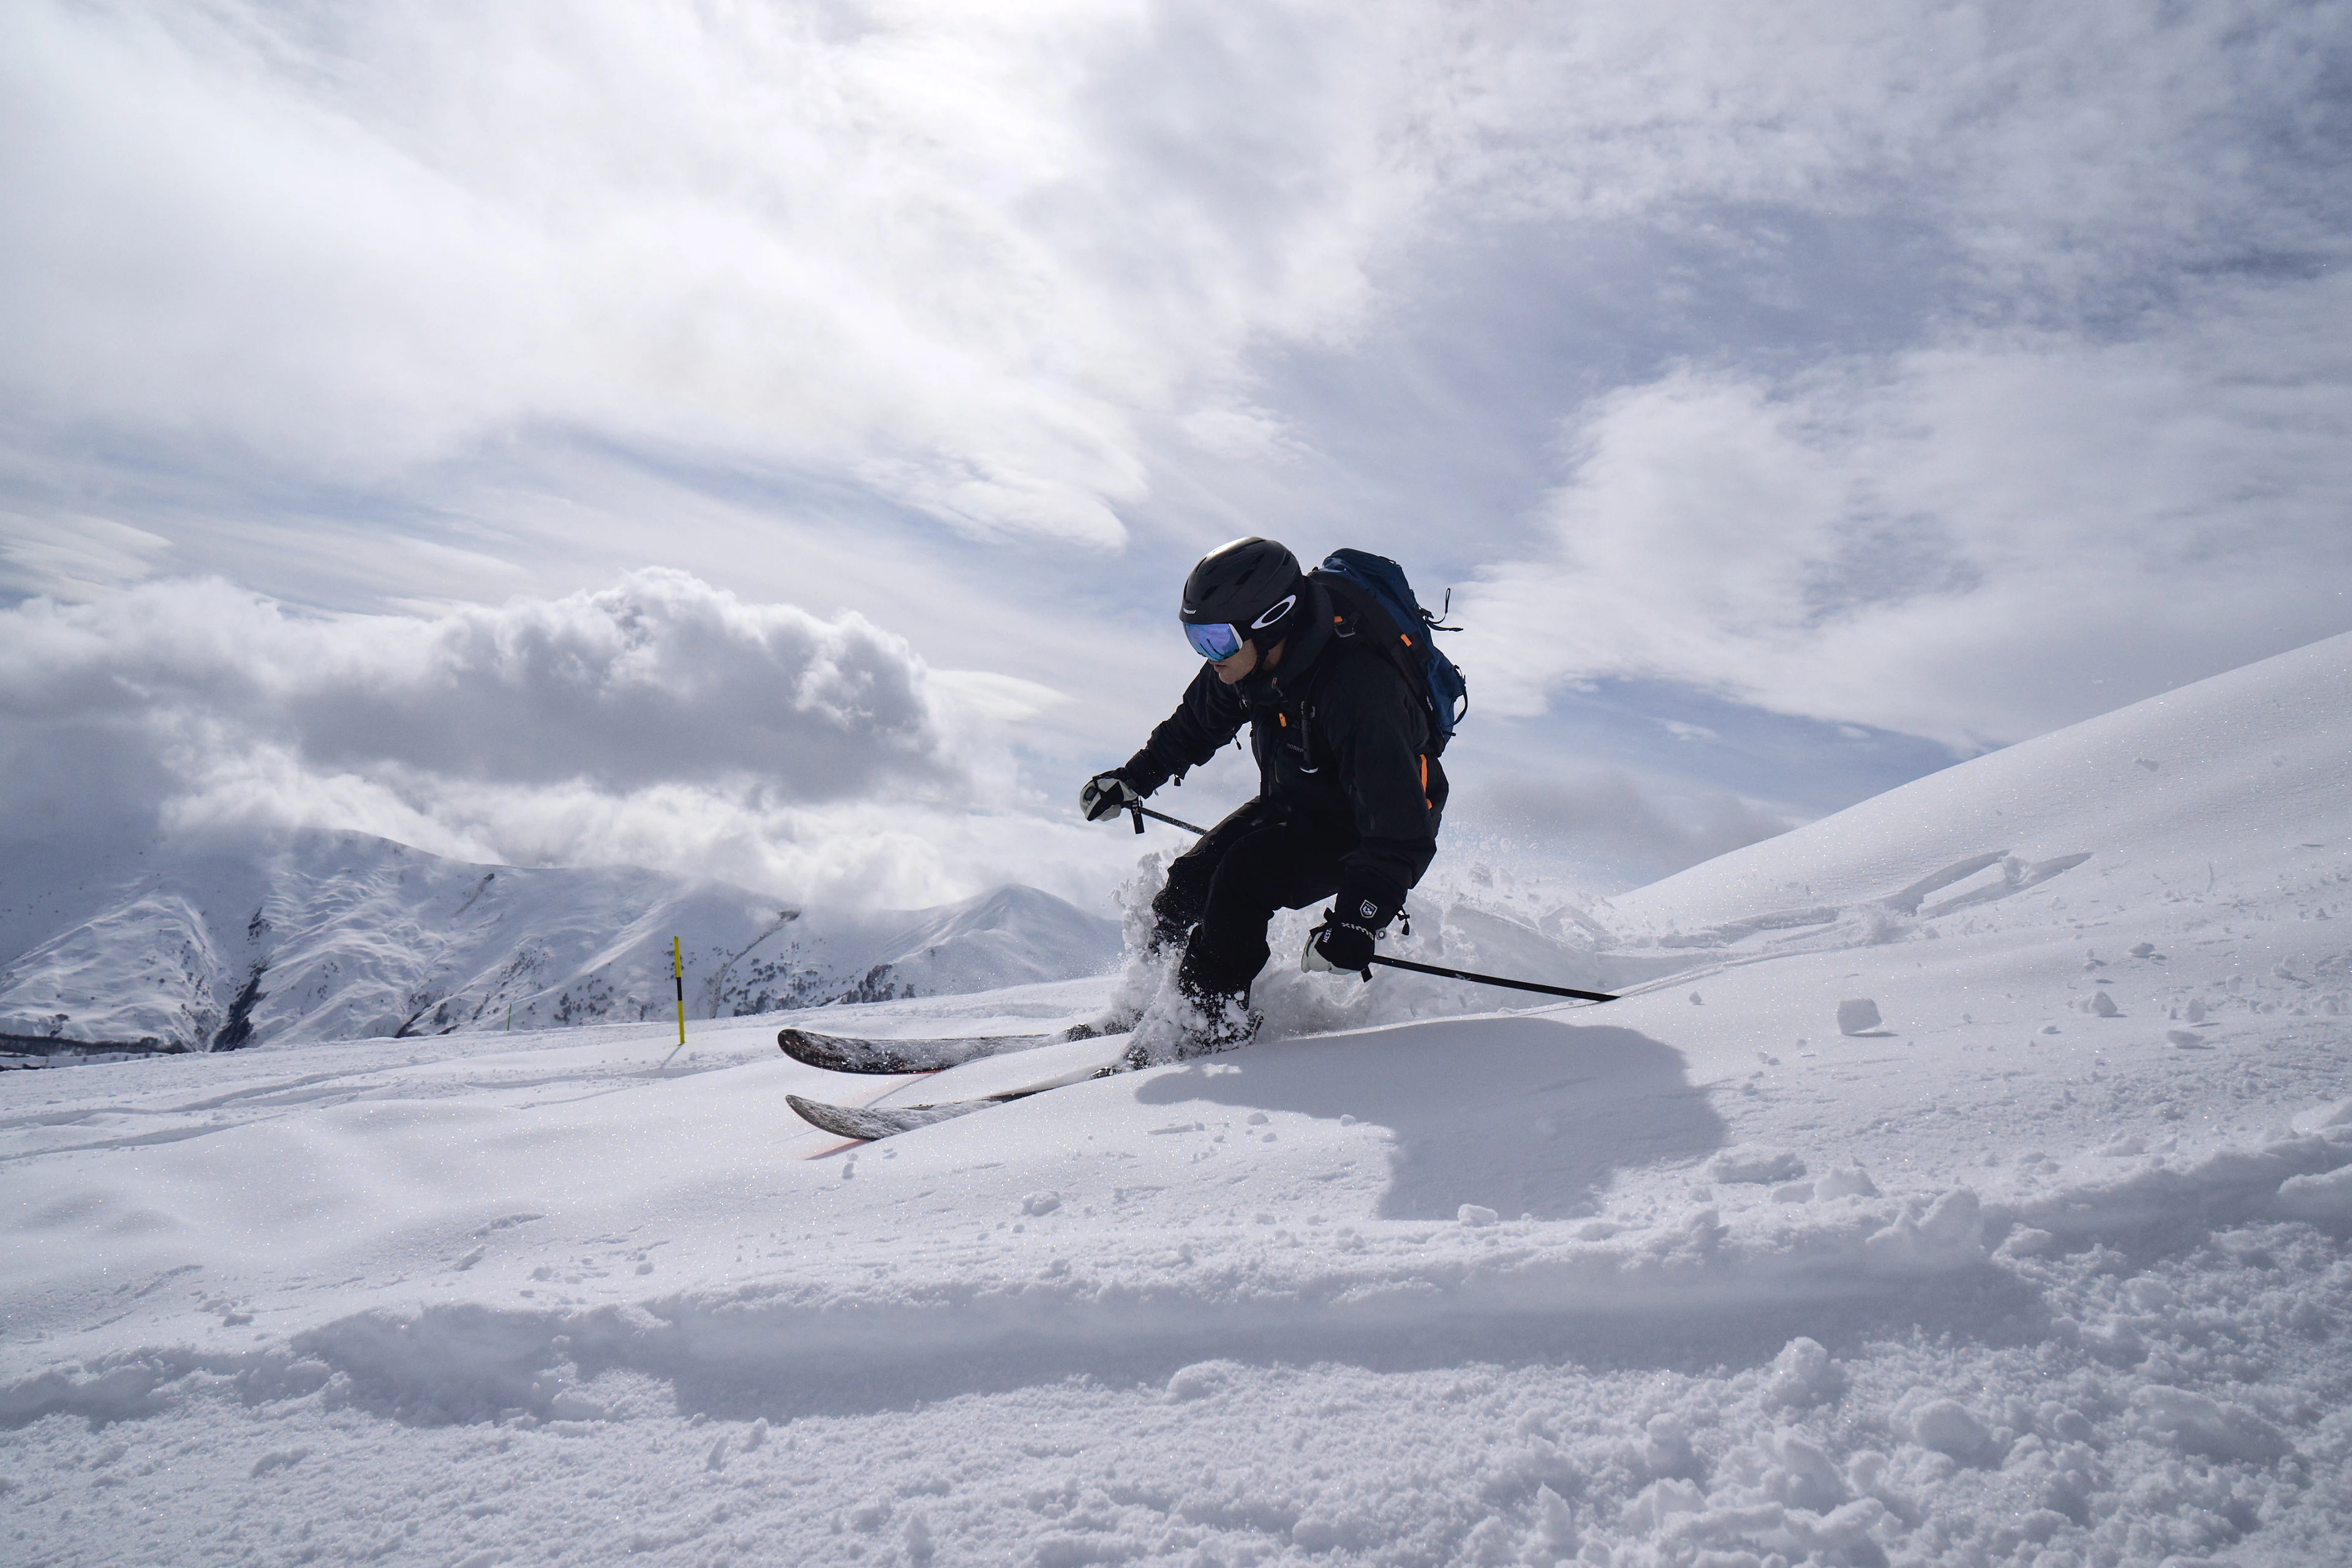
847, 1053
869, 1123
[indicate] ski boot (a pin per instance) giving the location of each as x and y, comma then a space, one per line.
1198, 1028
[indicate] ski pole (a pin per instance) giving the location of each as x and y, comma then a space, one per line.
1492, 979
1143, 811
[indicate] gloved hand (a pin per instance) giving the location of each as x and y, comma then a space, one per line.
1365, 899
1113, 791
1107, 795
1335, 947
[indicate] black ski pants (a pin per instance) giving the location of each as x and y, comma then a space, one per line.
1226, 887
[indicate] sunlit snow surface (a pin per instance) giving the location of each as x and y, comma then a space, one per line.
2048, 1267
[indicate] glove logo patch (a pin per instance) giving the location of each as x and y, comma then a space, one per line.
1370, 909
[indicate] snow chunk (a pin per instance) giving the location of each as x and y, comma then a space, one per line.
1950, 1232
1555, 1525
2104, 1005
2327, 1197
2195, 1424
1855, 1017
1659, 1501
1945, 1426
1756, 1166
2025, 1241
1803, 1373
1667, 1448
2337, 1115
1853, 1182
1041, 1202
1202, 1379
573, 1405
1472, 1213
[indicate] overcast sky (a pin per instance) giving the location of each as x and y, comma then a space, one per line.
766, 441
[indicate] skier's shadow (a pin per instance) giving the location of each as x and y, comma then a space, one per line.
1518, 1115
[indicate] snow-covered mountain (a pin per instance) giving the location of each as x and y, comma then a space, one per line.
342, 936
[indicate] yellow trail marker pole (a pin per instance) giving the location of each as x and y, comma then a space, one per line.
678, 978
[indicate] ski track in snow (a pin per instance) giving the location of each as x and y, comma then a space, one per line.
2048, 1269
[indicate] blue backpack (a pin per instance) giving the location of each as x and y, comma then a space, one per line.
1369, 591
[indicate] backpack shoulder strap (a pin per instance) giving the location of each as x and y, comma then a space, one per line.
1364, 625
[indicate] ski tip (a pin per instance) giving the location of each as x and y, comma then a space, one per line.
840, 1121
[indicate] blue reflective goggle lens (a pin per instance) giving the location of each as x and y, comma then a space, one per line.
1216, 642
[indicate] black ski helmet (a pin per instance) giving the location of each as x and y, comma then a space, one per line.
1254, 585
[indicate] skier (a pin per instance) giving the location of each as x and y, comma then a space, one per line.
1348, 798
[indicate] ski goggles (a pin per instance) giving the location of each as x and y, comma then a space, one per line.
1218, 641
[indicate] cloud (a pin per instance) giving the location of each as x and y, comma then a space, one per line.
661, 677
942, 252
660, 722
1974, 543
75, 557
2069, 163
1616, 829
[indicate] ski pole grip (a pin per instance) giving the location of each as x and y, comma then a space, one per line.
1136, 812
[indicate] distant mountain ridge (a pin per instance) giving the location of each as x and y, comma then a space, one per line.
345, 935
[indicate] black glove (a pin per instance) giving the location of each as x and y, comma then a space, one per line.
1107, 795
1337, 947
1365, 899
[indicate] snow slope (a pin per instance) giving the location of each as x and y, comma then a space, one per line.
2234, 784
337, 936
2016, 1276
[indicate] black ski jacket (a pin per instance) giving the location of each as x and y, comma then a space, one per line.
1338, 737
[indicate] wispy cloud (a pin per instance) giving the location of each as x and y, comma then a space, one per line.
1974, 543
946, 252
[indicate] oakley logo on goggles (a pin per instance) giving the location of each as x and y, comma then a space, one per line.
1219, 640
